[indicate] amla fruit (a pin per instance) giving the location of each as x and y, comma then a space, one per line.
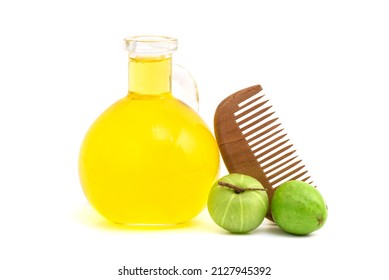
238, 203
298, 208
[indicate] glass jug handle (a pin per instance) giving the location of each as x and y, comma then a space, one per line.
184, 87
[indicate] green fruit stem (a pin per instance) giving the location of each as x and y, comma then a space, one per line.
236, 188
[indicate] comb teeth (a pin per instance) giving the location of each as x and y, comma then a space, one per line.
268, 141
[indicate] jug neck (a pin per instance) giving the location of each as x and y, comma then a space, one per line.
150, 75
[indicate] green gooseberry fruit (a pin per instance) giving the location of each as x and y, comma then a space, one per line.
238, 203
298, 208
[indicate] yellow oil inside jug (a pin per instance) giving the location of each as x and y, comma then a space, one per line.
149, 158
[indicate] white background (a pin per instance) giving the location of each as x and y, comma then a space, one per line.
324, 65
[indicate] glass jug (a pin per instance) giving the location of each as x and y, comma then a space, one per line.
149, 158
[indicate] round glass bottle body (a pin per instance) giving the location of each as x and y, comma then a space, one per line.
149, 158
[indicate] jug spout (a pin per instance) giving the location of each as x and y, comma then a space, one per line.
138, 46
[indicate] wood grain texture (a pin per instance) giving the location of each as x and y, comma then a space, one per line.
252, 141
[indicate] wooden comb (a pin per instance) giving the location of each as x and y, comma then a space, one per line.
252, 141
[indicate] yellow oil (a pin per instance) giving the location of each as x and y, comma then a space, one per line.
149, 158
